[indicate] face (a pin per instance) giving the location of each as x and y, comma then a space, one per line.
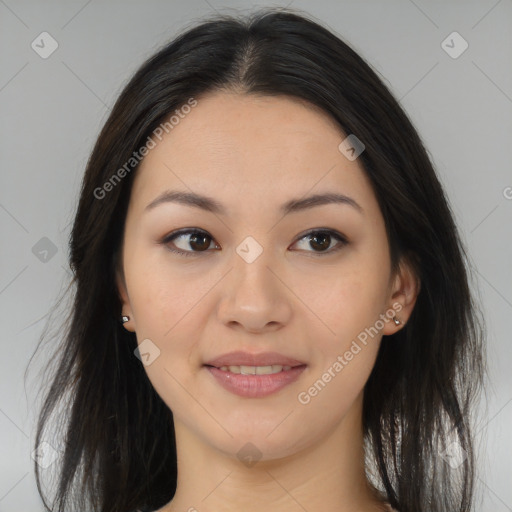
306, 283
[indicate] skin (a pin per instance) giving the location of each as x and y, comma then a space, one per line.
252, 154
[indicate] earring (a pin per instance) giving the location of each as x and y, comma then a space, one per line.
125, 319
395, 319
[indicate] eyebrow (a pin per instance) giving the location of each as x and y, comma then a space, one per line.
211, 205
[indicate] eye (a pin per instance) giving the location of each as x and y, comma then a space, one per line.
321, 240
200, 241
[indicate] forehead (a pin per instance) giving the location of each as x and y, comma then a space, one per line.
252, 148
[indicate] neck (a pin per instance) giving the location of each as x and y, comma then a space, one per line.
328, 476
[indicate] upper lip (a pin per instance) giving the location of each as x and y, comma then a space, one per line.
240, 358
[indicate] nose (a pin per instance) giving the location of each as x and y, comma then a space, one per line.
254, 298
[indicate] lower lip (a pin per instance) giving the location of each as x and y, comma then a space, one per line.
255, 386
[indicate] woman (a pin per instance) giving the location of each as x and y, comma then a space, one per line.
272, 306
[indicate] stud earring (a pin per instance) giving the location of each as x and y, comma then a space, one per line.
125, 319
397, 322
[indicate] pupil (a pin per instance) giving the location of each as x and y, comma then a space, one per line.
197, 236
324, 237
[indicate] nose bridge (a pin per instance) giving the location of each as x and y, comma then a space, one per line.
252, 266
252, 295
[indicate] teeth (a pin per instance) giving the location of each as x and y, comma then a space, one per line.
255, 370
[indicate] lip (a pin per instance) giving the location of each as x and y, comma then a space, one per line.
241, 358
255, 386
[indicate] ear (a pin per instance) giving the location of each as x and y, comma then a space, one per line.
126, 309
404, 290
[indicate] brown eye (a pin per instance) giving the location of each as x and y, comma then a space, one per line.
198, 241
321, 240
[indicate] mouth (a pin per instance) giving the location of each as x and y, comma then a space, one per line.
255, 370
252, 360
254, 375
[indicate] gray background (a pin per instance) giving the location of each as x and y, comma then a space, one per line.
52, 110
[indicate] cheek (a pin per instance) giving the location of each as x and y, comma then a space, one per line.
167, 310
349, 305
345, 300
345, 359
330, 393
161, 293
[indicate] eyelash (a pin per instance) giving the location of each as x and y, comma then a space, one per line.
182, 232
